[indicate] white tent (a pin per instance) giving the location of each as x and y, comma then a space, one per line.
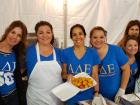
113, 15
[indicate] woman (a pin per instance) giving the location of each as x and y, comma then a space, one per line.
10, 48
43, 67
132, 28
77, 59
112, 83
131, 46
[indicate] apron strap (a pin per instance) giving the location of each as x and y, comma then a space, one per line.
38, 53
54, 55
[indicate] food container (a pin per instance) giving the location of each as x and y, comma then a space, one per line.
67, 90
130, 99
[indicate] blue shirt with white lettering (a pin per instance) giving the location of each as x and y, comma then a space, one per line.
132, 79
75, 66
110, 71
7, 67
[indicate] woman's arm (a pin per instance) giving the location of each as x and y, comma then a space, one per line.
64, 74
125, 75
124, 80
95, 76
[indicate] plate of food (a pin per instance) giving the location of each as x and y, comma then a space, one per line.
79, 82
83, 81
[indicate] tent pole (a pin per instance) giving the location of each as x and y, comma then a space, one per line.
65, 23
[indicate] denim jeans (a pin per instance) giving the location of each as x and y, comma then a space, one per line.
11, 99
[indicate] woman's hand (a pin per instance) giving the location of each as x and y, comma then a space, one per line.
98, 100
69, 77
118, 95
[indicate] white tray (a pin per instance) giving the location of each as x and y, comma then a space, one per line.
66, 90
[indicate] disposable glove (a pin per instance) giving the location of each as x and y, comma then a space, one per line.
83, 103
118, 95
98, 100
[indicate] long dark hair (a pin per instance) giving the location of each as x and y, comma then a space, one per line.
14, 24
19, 50
129, 25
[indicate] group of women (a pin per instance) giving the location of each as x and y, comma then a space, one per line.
115, 69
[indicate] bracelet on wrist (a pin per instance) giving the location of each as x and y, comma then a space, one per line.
96, 91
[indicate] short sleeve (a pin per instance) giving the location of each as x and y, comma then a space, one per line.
121, 57
96, 58
63, 56
30, 59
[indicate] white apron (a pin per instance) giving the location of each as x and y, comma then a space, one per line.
45, 76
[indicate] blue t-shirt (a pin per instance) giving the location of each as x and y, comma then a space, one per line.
31, 57
7, 67
75, 66
131, 83
110, 71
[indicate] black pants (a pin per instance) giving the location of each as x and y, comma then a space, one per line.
22, 93
11, 99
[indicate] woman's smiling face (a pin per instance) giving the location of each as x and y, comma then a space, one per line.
131, 47
44, 34
98, 39
78, 36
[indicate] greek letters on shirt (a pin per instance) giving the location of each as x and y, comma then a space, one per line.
134, 68
6, 73
78, 69
107, 70
133, 72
